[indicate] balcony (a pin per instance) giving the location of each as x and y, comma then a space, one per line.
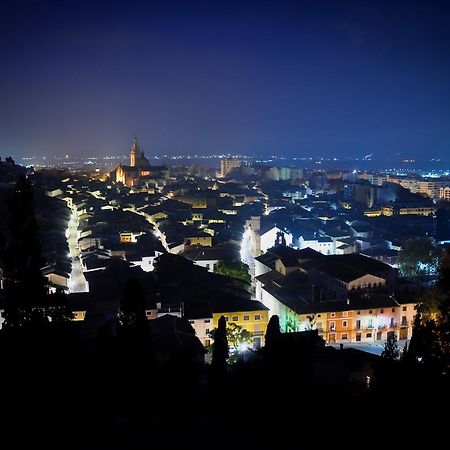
388, 326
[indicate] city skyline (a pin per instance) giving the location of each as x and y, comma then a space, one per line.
311, 78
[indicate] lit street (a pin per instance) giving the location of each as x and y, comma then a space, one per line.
77, 282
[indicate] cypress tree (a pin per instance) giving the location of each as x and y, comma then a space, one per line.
220, 354
273, 334
26, 292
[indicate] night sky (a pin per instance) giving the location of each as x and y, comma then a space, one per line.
325, 78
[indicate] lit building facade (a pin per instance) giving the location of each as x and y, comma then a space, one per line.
227, 165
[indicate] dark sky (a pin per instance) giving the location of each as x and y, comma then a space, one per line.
326, 78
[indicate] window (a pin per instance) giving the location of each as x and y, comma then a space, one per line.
226, 318
332, 326
344, 336
404, 308
332, 314
235, 318
381, 311
358, 337
393, 309
207, 330
370, 311
344, 323
207, 342
345, 314
191, 322
368, 335
246, 317
358, 324
207, 321
319, 315
257, 317
358, 312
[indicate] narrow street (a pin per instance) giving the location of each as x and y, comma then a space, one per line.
77, 282
247, 258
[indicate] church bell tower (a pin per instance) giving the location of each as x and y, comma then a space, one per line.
134, 154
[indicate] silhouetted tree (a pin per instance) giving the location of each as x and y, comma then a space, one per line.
273, 334
136, 358
220, 355
237, 338
390, 350
26, 293
132, 305
444, 275
430, 341
404, 353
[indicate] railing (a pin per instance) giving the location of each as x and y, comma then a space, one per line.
390, 325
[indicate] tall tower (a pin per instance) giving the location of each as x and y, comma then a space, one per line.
227, 165
135, 152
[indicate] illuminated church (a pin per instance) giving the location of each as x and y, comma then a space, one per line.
139, 169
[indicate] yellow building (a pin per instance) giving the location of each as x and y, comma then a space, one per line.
249, 314
392, 210
204, 241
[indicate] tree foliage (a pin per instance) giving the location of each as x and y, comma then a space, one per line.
236, 337
430, 341
236, 269
391, 350
419, 258
27, 299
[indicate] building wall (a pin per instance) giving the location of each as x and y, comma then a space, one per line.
202, 327
147, 262
267, 240
78, 315
58, 280
326, 248
366, 325
367, 281
207, 264
227, 165
248, 320
289, 320
204, 241
444, 193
